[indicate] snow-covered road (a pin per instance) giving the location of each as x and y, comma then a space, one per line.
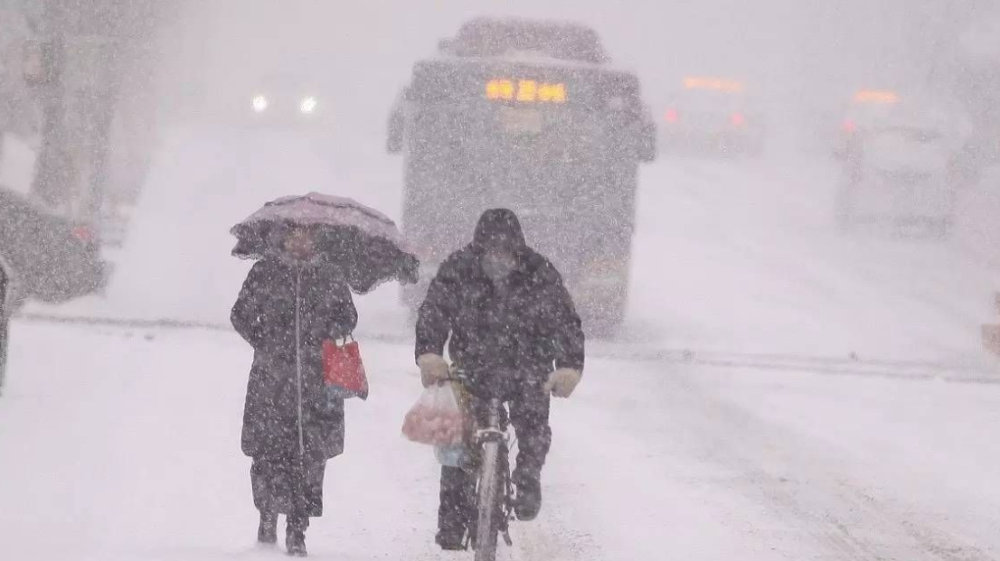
746, 256
123, 443
738, 255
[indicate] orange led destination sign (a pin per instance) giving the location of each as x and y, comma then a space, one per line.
876, 96
700, 83
525, 91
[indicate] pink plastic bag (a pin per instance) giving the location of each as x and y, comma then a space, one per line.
436, 419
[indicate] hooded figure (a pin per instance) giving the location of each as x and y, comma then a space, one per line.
510, 323
288, 306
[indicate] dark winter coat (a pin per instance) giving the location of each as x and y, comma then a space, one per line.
286, 312
528, 323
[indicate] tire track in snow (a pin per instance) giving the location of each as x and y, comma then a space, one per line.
792, 478
796, 480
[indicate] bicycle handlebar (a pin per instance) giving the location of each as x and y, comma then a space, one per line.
489, 385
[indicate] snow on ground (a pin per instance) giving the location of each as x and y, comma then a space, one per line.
176, 260
979, 232
737, 255
125, 445
745, 256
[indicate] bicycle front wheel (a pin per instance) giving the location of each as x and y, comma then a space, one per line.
489, 493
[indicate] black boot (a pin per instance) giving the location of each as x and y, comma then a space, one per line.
267, 531
455, 510
295, 536
528, 500
451, 539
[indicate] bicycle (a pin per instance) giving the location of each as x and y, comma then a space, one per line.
494, 495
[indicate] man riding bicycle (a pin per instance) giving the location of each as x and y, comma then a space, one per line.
508, 314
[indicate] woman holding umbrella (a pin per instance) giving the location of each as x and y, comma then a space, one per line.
311, 251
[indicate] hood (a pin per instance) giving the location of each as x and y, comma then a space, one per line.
499, 228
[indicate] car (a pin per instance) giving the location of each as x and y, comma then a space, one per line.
975, 81
898, 160
530, 115
48, 257
713, 116
867, 109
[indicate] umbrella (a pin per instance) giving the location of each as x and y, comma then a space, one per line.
365, 242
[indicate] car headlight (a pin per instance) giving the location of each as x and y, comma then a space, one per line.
308, 105
259, 104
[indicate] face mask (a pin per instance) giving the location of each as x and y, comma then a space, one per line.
498, 266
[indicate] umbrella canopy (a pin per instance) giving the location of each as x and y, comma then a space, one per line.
363, 241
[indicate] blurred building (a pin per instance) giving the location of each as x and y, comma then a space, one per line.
81, 76
18, 112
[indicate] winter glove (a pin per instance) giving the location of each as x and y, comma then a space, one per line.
433, 369
563, 381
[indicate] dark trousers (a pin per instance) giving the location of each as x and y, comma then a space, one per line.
288, 485
529, 414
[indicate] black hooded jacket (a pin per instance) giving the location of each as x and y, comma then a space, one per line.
526, 323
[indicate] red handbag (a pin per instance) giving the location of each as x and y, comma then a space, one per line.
343, 371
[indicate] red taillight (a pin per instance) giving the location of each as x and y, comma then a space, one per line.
737, 119
849, 126
84, 234
671, 116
